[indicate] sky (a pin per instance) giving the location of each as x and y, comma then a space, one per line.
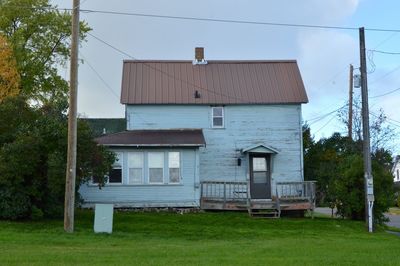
323, 55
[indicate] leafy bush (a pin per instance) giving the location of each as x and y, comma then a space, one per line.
14, 205
349, 187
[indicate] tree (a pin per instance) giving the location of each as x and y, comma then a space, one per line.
337, 166
381, 134
32, 159
40, 37
9, 77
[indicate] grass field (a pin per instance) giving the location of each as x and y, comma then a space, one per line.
197, 239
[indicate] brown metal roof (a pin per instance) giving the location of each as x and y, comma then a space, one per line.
167, 137
218, 82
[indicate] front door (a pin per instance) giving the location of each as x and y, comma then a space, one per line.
260, 177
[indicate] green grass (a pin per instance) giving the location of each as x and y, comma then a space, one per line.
197, 239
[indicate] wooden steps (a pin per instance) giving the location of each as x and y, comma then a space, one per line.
264, 209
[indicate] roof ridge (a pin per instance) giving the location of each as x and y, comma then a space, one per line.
224, 61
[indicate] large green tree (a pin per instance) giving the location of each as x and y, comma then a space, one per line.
40, 37
337, 166
33, 146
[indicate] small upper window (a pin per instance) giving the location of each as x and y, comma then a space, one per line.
217, 116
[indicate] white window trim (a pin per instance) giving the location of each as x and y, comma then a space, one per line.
180, 169
212, 117
148, 169
128, 167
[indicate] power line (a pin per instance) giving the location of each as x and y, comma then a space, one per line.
164, 72
327, 123
263, 23
384, 52
319, 118
385, 75
99, 76
384, 94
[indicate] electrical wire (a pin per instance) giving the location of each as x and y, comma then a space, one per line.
327, 123
264, 23
166, 73
99, 76
384, 94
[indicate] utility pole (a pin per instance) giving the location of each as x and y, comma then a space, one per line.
351, 102
72, 124
368, 179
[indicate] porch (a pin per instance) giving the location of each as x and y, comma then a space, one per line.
235, 195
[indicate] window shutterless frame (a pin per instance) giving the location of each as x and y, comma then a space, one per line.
134, 165
117, 165
174, 162
149, 164
217, 117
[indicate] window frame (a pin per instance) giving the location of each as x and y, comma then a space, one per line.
221, 116
128, 168
121, 162
148, 168
179, 168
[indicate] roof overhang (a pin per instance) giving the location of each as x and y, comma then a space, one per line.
260, 148
154, 138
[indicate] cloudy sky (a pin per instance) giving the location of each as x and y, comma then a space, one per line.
323, 55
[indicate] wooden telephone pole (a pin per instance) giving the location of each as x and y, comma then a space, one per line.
351, 102
72, 124
368, 179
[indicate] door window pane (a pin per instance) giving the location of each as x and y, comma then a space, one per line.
259, 164
259, 177
156, 167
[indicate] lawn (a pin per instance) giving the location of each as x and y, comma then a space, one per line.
197, 239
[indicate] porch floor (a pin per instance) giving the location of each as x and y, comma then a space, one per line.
243, 205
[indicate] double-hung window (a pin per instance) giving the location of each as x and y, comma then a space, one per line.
156, 167
217, 116
174, 167
115, 174
135, 168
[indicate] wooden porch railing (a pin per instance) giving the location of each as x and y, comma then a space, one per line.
239, 190
224, 190
302, 190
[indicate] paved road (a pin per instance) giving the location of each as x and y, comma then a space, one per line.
394, 219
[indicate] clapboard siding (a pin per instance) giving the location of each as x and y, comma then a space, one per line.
278, 126
149, 195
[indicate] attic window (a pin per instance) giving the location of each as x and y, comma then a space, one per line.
217, 116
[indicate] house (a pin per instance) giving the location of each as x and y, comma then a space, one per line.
215, 135
396, 170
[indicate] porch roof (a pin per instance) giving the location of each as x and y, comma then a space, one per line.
155, 138
260, 148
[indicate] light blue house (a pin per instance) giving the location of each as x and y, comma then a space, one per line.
216, 135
